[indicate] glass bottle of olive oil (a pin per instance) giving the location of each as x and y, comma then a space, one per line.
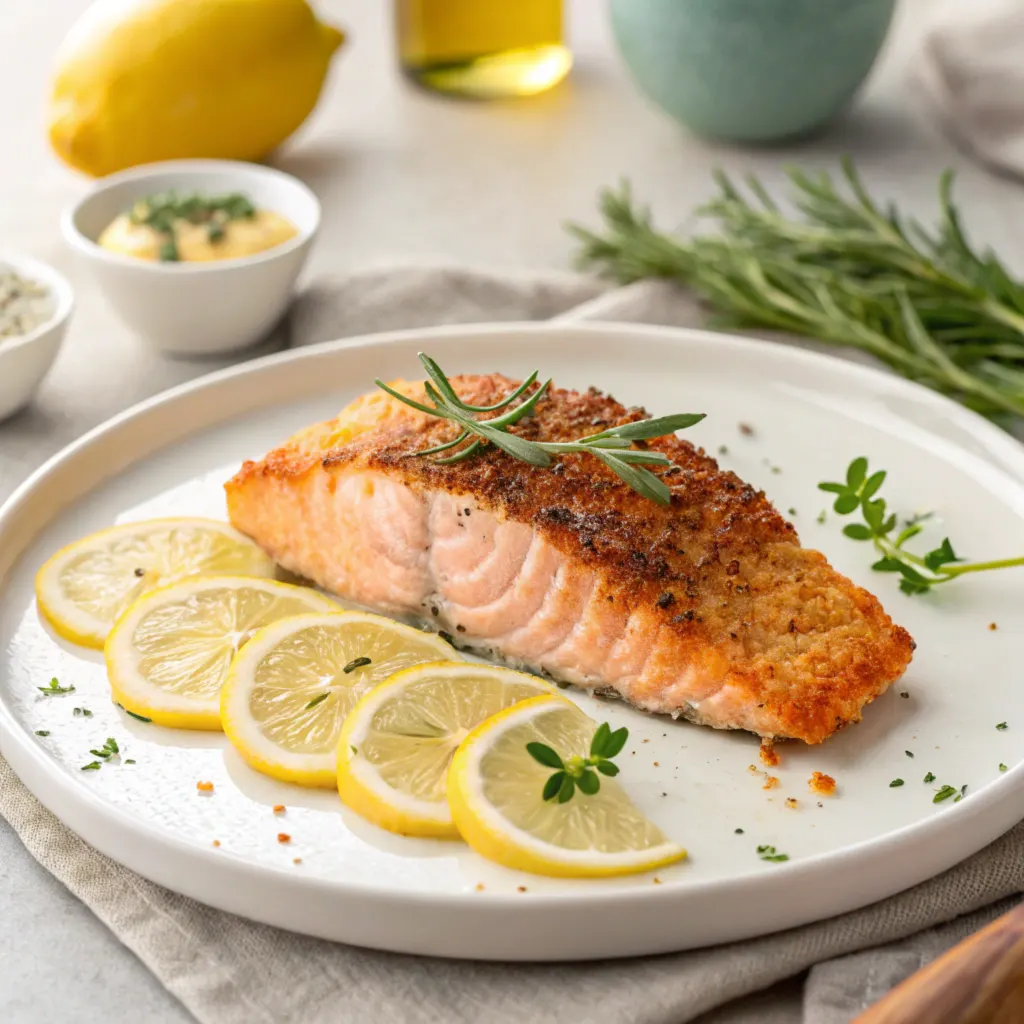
485, 49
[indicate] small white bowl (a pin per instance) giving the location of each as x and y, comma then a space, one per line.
196, 308
25, 359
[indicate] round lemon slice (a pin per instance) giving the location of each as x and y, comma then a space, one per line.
396, 745
168, 655
86, 586
495, 791
290, 688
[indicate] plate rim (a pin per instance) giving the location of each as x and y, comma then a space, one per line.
48, 782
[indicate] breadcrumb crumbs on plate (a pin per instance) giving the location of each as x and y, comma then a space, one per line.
216, 842
753, 769
770, 782
204, 787
296, 860
769, 755
279, 808
520, 888
746, 429
819, 782
656, 880
479, 887
992, 625
791, 801
283, 837
656, 764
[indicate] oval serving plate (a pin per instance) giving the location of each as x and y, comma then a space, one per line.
810, 415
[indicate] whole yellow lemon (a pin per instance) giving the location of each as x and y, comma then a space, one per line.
144, 80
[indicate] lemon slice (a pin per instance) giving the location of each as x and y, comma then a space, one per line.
396, 745
168, 655
495, 793
290, 688
84, 588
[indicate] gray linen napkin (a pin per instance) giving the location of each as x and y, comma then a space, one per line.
970, 67
228, 970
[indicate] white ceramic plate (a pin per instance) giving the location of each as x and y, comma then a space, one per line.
357, 884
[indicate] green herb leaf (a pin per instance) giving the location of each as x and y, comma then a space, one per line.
856, 473
770, 853
660, 426
318, 699
130, 760
553, 786
356, 663
42, 732
1002, 767
856, 531
543, 754
895, 783
54, 688
589, 783
81, 713
92, 766
607, 768
872, 484
943, 794
846, 503
566, 789
909, 753
615, 742
1001, 726
930, 777
600, 738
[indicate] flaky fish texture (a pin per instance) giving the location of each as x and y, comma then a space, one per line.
708, 609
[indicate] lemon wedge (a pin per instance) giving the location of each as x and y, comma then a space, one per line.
85, 586
396, 745
495, 793
290, 688
168, 655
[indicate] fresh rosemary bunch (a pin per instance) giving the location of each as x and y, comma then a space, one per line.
578, 772
613, 447
919, 573
843, 270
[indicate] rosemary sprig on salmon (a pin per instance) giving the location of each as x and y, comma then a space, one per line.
613, 447
705, 608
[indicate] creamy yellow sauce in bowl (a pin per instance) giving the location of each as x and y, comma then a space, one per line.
195, 228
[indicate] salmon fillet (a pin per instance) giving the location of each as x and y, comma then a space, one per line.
708, 609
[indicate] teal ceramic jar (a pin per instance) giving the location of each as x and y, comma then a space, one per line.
751, 70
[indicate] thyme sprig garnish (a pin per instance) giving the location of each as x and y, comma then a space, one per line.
612, 447
578, 772
857, 493
845, 269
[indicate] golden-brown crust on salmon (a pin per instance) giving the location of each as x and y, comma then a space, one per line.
719, 574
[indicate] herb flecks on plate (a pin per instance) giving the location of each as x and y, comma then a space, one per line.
613, 447
845, 270
578, 772
771, 854
54, 689
857, 493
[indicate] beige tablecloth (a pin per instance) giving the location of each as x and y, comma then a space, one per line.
228, 970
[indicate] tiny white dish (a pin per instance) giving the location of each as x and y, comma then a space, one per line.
187, 308
26, 359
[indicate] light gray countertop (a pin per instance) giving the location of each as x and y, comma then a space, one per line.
395, 168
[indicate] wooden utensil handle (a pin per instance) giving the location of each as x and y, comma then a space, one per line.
979, 981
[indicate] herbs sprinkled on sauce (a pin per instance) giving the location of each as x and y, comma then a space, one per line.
164, 212
81, 713
92, 766
46, 732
